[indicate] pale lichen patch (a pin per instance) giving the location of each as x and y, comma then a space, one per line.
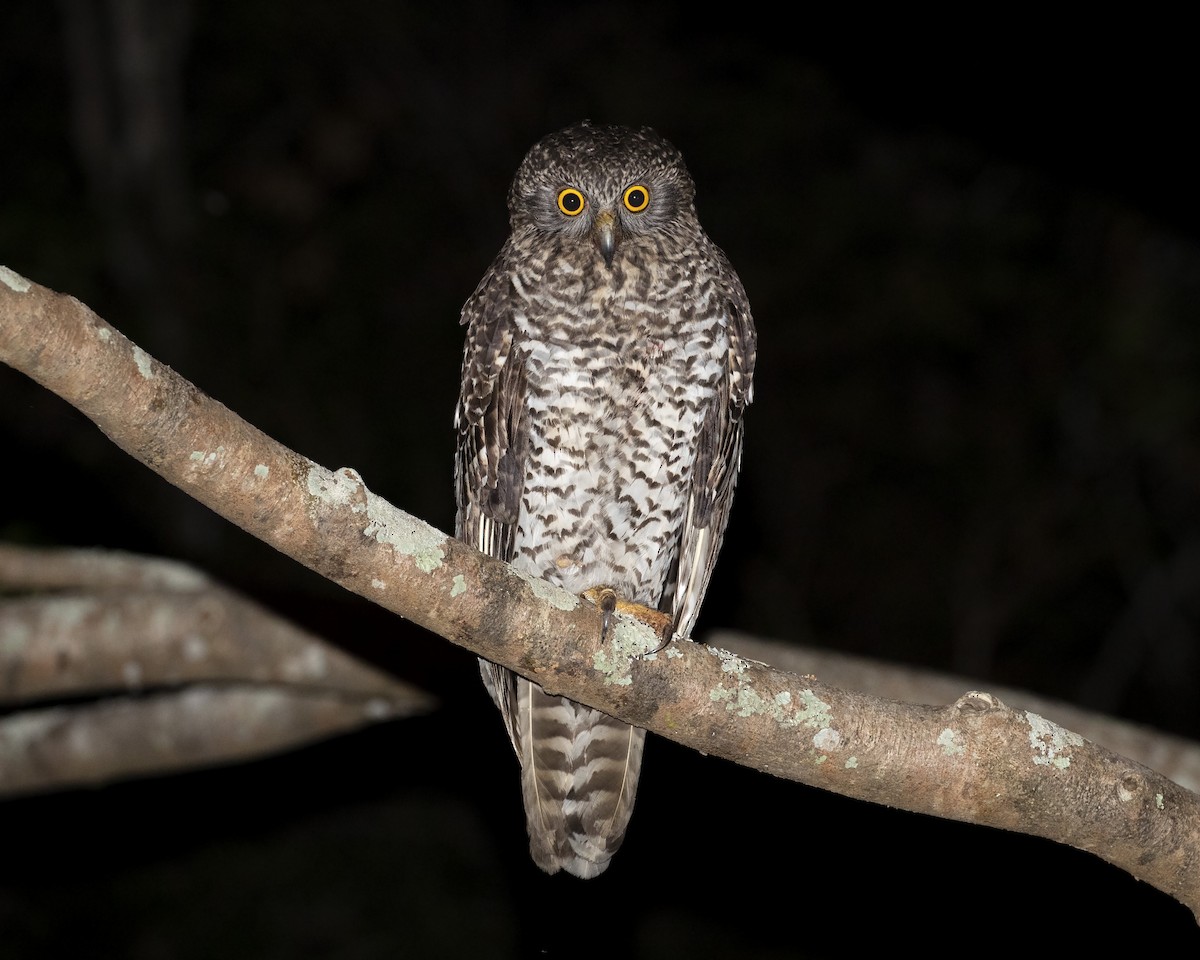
377, 584
104, 334
852, 763
460, 585
405, 533
742, 700
338, 488
629, 640
262, 471
745, 701
1050, 742
14, 281
730, 662
555, 596
145, 363
615, 669
828, 739
208, 458
951, 743
1158, 801
814, 710
386, 523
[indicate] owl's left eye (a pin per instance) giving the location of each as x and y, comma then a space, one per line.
636, 198
570, 202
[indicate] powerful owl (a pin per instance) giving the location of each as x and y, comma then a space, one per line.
608, 362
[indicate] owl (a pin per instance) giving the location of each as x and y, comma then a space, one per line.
608, 362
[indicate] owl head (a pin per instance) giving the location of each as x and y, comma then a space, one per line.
603, 185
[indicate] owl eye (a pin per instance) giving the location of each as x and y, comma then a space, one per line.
636, 198
570, 202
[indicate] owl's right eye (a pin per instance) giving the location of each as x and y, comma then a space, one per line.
570, 202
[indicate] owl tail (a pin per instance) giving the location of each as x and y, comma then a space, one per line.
579, 774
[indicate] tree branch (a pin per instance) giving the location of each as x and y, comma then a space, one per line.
974, 760
1175, 757
134, 665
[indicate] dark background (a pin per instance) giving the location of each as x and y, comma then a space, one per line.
974, 446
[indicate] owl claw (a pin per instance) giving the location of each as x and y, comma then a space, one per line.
657, 621
665, 635
610, 604
606, 599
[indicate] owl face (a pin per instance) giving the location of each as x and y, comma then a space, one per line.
601, 185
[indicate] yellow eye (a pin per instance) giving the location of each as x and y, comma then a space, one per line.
570, 202
637, 198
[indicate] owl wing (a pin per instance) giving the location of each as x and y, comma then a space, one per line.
490, 419
718, 456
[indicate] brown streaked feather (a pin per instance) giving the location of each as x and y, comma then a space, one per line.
490, 455
714, 478
563, 738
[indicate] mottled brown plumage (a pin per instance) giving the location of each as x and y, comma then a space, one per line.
608, 362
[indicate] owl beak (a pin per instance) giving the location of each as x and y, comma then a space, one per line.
607, 232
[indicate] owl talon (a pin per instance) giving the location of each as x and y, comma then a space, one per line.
666, 638
661, 625
610, 604
606, 599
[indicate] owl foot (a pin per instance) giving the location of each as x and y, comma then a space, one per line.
609, 603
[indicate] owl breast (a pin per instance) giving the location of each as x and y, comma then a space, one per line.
617, 395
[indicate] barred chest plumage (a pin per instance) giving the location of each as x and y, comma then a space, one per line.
617, 395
